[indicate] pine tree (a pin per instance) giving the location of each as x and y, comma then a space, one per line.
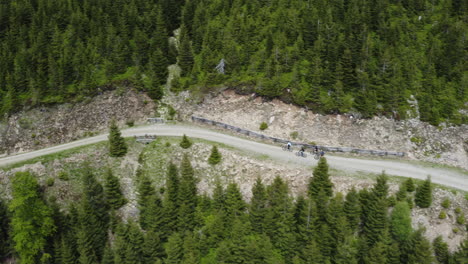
94, 220
157, 73
114, 195
171, 198
402, 192
441, 250
380, 190
185, 143
108, 257
31, 221
185, 59
174, 249
219, 197
187, 195
420, 251
321, 180
352, 209
4, 231
257, 209
153, 248
117, 145
235, 205
400, 224
410, 185
215, 156
376, 223
423, 196
146, 199
134, 245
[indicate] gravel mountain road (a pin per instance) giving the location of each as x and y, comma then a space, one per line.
447, 177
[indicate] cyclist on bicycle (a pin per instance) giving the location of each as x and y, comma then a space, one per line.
289, 145
302, 150
316, 150
322, 153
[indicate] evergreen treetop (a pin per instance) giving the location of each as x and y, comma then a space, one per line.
117, 145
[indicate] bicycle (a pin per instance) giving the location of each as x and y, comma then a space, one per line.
285, 148
301, 154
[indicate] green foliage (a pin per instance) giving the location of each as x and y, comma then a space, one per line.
410, 187
171, 112
117, 145
320, 180
50, 182
294, 135
185, 143
130, 123
187, 196
215, 156
181, 226
442, 215
31, 220
5, 246
401, 222
458, 210
63, 175
446, 203
423, 196
263, 126
113, 191
441, 250
367, 60
93, 218
461, 219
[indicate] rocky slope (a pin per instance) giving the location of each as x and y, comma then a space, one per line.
45, 126
421, 141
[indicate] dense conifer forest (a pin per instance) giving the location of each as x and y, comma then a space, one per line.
332, 56
177, 224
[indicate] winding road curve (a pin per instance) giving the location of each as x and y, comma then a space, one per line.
447, 177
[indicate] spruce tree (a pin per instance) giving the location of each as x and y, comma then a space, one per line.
410, 185
134, 246
257, 208
174, 249
441, 250
185, 143
420, 250
185, 59
93, 218
320, 180
352, 209
117, 145
171, 198
215, 156
146, 198
235, 204
402, 192
114, 195
153, 248
423, 196
108, 257
4, 231
400, 224
187, 195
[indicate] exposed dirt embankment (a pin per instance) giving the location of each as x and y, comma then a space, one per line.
46, 126
421, 141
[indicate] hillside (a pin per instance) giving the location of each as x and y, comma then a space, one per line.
365, 57
61, 179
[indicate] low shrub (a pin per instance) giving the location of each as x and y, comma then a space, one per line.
50, 182
442, 215
263, 126
446, 203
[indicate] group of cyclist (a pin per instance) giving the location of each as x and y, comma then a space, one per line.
302, 150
